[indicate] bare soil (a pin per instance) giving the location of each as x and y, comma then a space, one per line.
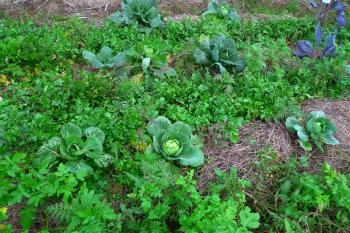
101, 8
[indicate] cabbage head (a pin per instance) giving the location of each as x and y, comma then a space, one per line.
175, 142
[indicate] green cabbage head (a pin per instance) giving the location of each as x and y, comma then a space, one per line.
176, 142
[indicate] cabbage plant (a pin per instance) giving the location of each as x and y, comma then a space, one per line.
77, 149
175, 142
142, 12
104, 59
219, 53
142, 59
306, 48
221, 10
315, 127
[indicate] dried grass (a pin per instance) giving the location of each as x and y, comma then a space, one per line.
256, 135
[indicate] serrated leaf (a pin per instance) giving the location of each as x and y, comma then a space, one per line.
27, 217
248, 219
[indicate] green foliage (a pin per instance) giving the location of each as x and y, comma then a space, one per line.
165, 201
87, 212
44, 85
291, 199
144, 59
104, 58
316, 127
76, 148
219, 53
221, 10
176, 142
313, 202
143, 12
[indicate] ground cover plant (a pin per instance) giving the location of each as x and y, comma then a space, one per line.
105, 127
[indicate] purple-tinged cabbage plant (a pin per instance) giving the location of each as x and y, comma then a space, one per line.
305, 48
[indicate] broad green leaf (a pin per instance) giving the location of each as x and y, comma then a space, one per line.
105, 54
193, 157
156, 22
330, 140
303, 135
93, 59
170, 72
157, 144
158, 126
291, 122
201, 57
317, 114
93, 144
181, 128
95, 132
49, 151
145, 63
248, 219
71, 129
118, 60
116, 17
103, 160
78, 166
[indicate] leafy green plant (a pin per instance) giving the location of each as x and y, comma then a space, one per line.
104, 59
142, 59
316, 127
163, 200
76, 148
87, 212
220, 53
308, 202
143, 12
221, 10
305, 48
176, 142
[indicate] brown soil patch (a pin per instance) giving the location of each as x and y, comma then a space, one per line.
101, 8
256, 135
